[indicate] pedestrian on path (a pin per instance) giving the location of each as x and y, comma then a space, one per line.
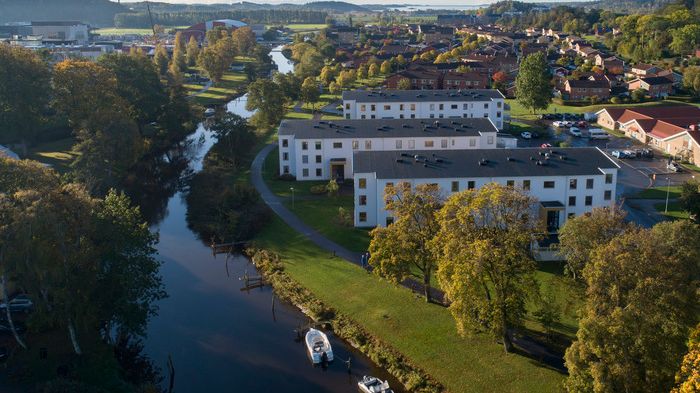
363, 260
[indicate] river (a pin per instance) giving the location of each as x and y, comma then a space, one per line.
223, 339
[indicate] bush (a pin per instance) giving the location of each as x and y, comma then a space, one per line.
564, 144
616, 100
344, 217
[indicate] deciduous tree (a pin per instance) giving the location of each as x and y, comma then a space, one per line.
402, 249
485, 267
404, 84
244, 39
161, 59
690, 199
532, 82
179, 54
688, 377
310, 92
265, 97
192, 51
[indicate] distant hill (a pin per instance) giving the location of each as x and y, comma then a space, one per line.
332, 6
335, 6
94, 12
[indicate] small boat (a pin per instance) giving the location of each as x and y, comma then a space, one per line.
374, 385
319, 347
210, 112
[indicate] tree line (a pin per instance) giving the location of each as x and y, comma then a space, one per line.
640, 286
267, 16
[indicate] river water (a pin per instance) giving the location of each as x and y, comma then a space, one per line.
222, 338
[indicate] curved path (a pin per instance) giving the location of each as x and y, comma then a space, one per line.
274, 202
527, 345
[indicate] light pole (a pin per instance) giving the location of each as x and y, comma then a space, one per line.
292, 190
668, 191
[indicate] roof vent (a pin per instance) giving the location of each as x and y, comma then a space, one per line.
562, 157
509, 159
425, 165
399, 160
317, 126
405, 126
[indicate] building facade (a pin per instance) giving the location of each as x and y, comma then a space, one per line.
566, 182
323, 150
61, 32
425, 104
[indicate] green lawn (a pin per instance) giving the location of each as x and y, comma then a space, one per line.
674, 210
425, 333
517, 111
305, 27
231, 84
659, 193
58, 154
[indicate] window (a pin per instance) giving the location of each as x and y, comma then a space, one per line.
608, 178
389, 221
337, 145
498, 114
486, 106
432, 107
443, 143
526, 185
398, 143
432, 115
455, 186
498, 104
355, 145
400, 107
428, 143
319, 172
305, 172
304, 145
363, 108
442, 106
411, 144
285, 169
486, 115
607, 195
347, 106
387, 107
347, 116
489, 140
465, 106
549, 184
285, 142
368, 144
413, 115
572, 184
285, 156
453, 106
510, 183
589, 184
470, 185
318, 145
362, 183
304, 159
401, 116
572, 201
318, 159
413, 107
363, 200
389, 184
363, 117
589, 200
373, 117
472, 142
571, 215
373, 107
363, 217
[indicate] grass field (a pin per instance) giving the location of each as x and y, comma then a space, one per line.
232, 83
674, 210
58, 154
425, 333
305, 27
517, 111
659, 193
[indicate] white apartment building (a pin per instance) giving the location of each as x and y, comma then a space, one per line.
323, 150
425, 104
566, 182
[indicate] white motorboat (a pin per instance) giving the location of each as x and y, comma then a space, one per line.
374, 385
319, 347
210, 112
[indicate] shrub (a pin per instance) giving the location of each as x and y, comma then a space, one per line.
318, 189
344, 217
564, 144
615, 100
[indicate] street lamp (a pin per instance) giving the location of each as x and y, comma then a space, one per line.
668, 191
292, 190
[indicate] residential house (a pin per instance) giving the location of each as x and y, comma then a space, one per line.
421, 79
642, 69
586, 88
434, 33
655, 86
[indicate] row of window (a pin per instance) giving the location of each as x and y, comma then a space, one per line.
471, 184
412, 107
305, 172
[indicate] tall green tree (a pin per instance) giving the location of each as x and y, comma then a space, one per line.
245, 39
690, 199
580, 236
641, 302
485, 267
213, 62
161, 59
265, 97
532, 86
179, 61
691, 79
688, 377
24, 94
402, 249
310, 92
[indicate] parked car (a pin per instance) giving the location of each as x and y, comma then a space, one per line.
560, 124
19, 303
673, 166
575, 131
545, 145
582, 124
630, 153
525, 135
647, 153
598, 133
621, 154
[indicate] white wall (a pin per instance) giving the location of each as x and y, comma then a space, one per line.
377, 215
291, 156
494, 109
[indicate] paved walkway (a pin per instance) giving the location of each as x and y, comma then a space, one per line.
204, 90
274, 202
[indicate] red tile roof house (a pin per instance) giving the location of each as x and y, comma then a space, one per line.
672, 129
420, 79
656, 86
582, 89
465, 80
644, 69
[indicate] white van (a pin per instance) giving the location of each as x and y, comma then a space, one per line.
598, 133
575, 131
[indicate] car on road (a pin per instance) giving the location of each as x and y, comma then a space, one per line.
646, 153
545, 145
598, 133
575, 131
673, 166
623, 154
525, 135
560, 124
19, 303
